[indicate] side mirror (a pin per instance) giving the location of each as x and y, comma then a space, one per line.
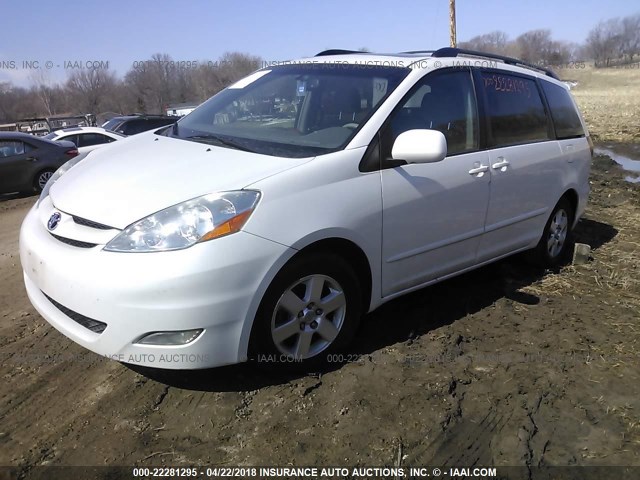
420, 146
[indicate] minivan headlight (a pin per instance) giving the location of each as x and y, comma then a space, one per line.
58, 173
183, 225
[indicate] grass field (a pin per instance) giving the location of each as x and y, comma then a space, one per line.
609, 99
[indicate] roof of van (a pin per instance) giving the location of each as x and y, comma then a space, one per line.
446, 56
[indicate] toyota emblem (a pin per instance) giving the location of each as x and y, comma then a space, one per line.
54, 220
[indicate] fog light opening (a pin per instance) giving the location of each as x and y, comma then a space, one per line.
180, 337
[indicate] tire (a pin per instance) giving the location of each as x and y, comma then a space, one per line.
41, 178
557, 238
310, 311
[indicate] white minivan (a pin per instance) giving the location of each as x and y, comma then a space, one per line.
264, 224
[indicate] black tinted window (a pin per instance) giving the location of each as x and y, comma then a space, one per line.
89, 139
444, 102
160, 123
563, 111
515, 109
132, 127
136, 126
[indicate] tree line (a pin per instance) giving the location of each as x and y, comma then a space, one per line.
610, 42
149, 86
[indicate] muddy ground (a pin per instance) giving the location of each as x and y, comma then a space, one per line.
507, 365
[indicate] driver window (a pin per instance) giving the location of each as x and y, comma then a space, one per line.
444, 102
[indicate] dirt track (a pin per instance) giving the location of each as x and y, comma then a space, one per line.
503, 366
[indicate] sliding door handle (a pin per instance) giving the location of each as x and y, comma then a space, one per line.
502, 164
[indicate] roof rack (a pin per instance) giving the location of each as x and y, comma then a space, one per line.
454, 52
337, 51
418, 51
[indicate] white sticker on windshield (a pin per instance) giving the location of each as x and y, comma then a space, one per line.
250, 79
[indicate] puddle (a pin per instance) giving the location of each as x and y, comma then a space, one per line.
628, 164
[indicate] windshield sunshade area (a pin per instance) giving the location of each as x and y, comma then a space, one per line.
292, 111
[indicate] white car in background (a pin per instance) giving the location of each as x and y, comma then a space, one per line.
85, 139
265, 223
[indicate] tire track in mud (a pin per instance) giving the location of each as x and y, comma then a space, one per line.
64, 397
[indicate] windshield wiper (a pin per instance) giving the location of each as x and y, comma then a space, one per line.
213, 139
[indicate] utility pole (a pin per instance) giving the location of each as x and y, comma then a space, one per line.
452, 23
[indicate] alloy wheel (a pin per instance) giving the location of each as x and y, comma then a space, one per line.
308, 316
558, 229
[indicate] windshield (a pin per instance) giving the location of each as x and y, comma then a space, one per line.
51, 136
292, 111
112, 124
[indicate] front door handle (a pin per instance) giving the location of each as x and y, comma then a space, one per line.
479, 170
501, 165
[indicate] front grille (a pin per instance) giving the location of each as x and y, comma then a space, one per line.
90, 224
86, 322
74, 243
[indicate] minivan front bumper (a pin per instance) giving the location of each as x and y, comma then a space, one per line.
215, 286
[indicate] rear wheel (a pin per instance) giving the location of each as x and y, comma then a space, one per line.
556, 241
41, 179
311, 310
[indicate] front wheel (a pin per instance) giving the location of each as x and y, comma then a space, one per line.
311, 310
555, 243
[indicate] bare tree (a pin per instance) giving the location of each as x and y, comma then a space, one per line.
493, 42
538, 46
534, 45
89, 88
155, 82
235, 65
6, 113
604, 42
51, 95
213, 76
630, 33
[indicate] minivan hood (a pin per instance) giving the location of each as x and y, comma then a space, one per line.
127, 180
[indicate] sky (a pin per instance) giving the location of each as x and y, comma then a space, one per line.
122, 32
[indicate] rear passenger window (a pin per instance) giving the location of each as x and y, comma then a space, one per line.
90, 139
515, 109
136, 126
563, 111
9, 148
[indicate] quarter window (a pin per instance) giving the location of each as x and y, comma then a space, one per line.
515, 109
563, 111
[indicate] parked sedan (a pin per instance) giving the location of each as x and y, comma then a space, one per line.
27, 162
85, 138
